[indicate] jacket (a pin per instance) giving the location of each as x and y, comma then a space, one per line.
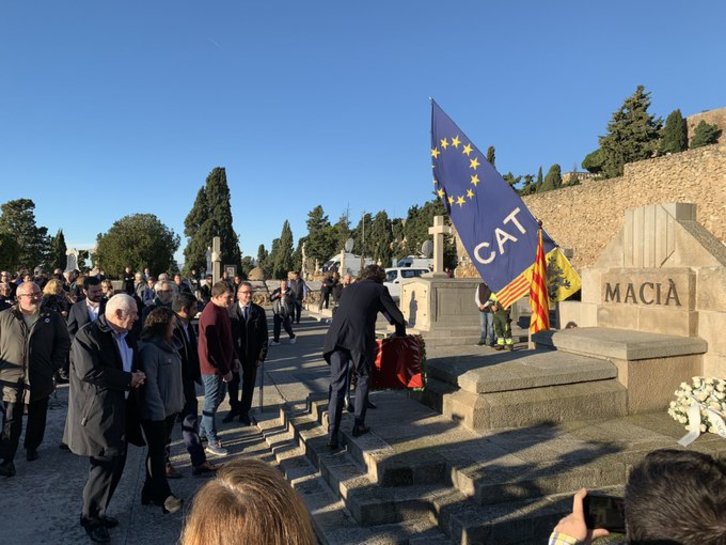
29, 358
216, 346
101, 420
162, 394
250, 336
282, 303
354, 323
188, 351
78, 316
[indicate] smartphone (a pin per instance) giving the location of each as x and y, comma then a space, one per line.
605, 512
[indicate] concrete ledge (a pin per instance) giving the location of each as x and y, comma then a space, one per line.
621, 344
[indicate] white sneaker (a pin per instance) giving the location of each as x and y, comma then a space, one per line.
293, 340
274, 343
216, 449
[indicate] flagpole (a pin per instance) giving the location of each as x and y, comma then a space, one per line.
530, 343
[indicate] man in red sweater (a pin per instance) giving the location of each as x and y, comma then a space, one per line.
216, 360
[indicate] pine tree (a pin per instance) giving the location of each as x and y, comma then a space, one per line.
364, 244
320, 242
705, 134
593, 161
632, 134
283, 253
491, 156
9, 252
211, 216
57, 254
512, 180
17, 219
675, 134
528, 188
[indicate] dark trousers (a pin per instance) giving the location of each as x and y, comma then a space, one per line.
190, 424
158, 436
340, 360
297, 310
284, 321
103, 478
247, 379
12, 426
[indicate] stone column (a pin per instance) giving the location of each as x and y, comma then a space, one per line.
438, 230
216, 260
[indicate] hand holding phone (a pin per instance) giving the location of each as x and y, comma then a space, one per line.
603, 511
574, 524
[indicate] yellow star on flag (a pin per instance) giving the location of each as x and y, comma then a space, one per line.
470, 193
444, 143
474, 179
455, 141
467, 149
435, 153
441, 193
460, 200
451, 200
474, 163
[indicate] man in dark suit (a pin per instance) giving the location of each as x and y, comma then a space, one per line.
352, 339
101, 418
249, 329
87, 309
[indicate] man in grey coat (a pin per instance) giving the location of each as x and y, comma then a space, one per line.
33, 346
103, 407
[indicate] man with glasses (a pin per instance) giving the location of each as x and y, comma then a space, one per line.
164, 290
33, 346
249, 329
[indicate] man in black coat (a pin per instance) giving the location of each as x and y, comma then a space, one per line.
352, 339
102, 407
33, 346
249, 330
184, 306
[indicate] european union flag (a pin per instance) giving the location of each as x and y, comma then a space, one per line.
494, 225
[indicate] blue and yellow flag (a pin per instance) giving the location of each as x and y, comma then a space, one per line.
496, 228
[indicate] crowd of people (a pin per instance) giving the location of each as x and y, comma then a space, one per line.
133, 360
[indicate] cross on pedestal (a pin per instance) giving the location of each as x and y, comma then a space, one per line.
216, 260
439, 230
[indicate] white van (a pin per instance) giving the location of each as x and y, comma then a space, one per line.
417, 262
352, 264
396, 275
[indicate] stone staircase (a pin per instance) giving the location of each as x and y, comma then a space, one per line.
424, 479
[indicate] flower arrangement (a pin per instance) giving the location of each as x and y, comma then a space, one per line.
701, 405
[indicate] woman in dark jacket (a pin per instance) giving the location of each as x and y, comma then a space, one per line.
55, 298
162, 399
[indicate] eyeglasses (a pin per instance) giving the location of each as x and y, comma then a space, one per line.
164, 291
34, 295
245, 292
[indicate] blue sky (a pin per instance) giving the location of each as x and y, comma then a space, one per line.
115, 108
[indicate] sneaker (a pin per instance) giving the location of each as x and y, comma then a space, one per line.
216, 449
274, 343
205, 468
480, 343
293, 340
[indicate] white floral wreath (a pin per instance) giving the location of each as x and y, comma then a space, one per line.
701, 406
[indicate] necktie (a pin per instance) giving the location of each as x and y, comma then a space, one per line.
244, 313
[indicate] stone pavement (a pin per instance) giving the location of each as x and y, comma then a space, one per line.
418, 477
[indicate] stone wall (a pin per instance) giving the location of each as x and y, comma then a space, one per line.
585, 218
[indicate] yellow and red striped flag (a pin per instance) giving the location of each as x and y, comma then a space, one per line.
538, 299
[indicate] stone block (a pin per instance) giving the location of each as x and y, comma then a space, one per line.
665, 289
577, 313
616, 316
711, 289
711, 327
651, 382
683, 323
590, 285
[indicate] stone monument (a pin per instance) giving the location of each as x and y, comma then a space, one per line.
216, 260
71, 260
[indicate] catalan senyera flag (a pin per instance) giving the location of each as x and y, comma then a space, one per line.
494, 225
538, 296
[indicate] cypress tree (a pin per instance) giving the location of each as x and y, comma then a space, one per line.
57, 254
381, 236
210, 216
283, 262
675, 133
539, 182
553, 180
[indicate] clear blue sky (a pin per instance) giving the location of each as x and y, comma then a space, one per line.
114, 108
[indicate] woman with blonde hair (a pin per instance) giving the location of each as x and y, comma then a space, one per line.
55, 298
248, 503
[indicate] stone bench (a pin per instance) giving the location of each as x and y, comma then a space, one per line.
650, 365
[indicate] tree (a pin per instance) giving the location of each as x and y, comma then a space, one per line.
512, 180
705, 134
320, 242
283, 253
18, 220
364, 244
57, 254
553, 180
381, 237
211, 216
341, 231
539, 182
9, 252
261, 254
529, 186
593, 161
492, 156
632, 134
674, 137
138, 241
268, 264
246, 265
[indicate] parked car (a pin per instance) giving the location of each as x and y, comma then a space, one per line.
396, 275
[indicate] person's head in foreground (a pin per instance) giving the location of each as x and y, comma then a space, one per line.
675, 497
247, 503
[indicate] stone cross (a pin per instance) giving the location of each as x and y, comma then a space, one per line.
208, 256
71, 260
439, 230
216, 260
343, 266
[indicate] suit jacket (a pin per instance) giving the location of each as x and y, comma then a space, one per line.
354, 323
188, 351
78, 316
100, 418
250, 336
